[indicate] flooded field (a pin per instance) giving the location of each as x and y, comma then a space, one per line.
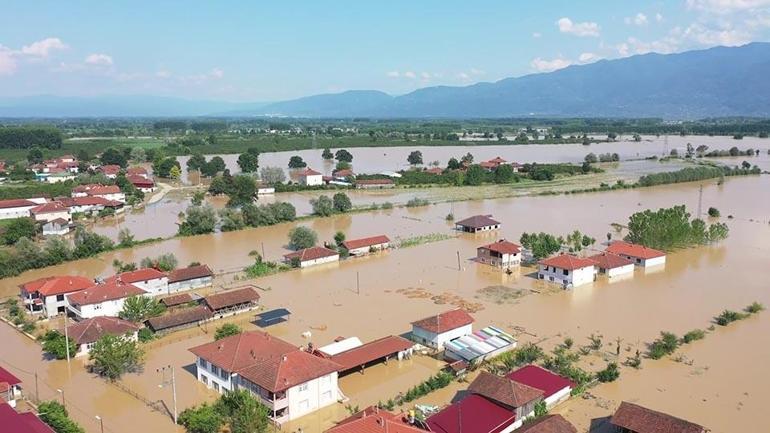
722, 389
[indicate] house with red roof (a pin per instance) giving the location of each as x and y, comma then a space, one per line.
502, 254
89, 331
548, 424
151, 280
435, 170
311, 256
376, 420
111, 171
47, 295
189, 278
567, 269
477, 223
639, 254
104, 299
50, 211
26, 422
310, 177
613, 265
436, 331
10, 387
556, 389
357, 247
88, 204
144, 184
16, 208
289, 381
138, 171
633, 418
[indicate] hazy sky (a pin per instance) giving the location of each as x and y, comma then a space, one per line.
270, 50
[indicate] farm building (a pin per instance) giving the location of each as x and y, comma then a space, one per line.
177, 300
310, 177
312, 256
502, 254
231, 301
189, 278
477, 223
179, 319
375, 183
16, 208
142, 183
480, 345
59, 227
352, 355
567, 270
632, 418
435, 331
639, 254
357, 247
613, 265
89, 331
50, 211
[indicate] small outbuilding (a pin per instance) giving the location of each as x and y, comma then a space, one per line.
633, 418
189, 278
477, 223
232, 301
613, 265
89, 331
310, 177
435, 331
184, 318
556, 389
357, 247
10, 387
311, 256
639, 254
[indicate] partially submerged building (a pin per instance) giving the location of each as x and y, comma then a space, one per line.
179, 319
352, 355
376, 420
502, 254
435, 331
10, 387
89, 331
479, 346
567, 270
556, 389
639, 254
47, 295
101, 299
613, 265
633, 418
358, 247
311, 256
189, 278
477, 223
231, 301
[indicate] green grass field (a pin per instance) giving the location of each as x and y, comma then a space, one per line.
90, 145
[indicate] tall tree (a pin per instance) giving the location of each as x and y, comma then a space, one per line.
114, 355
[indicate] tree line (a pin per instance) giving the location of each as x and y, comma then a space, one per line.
27, 137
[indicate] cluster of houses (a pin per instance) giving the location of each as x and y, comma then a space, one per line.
317, 255
56, 170
618, 260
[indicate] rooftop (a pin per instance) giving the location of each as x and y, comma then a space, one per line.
49, 286
548, 424
478, 221
503, 390
139, 275
371, 351
380, 181
634, 250
7, 378
540, 378
642, 420
108, 291
311, 253
178, 318
366, 242
474, 414
174, 300
17, 202
264, 360
50, 207
90, 330
504, 247
231, 298
374, 420
309, 172
567, 261
21, 422
607, 260
189, 273
445, 321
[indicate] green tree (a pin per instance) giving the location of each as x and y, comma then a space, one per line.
591, 158
56, 416
201, 419
609, 374
474, 175
125, 238
453, 164
214, 166
297, 162
249, 161
55, 344
197, 198
327, 154
339, 238
19, 228
414, 158
164, 262
343, 155
198, 220
231, 220
113, 156
272, 175
302, 237
243, 190
244, 412
35, 156
162, 167
196, 162
322, 206
341, 202
227, 330
114, 355
504, 174
140, 308
88, 244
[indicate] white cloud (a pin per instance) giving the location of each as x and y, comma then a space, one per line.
410, 74
726, 6
394, 74
726, 35
536, 35
463, 76
588, 58
43, 47
425, 76
163, 74
216, 73
98, 60
639, 19
578, 29
543, 65
475, 71
7, 61
659, 17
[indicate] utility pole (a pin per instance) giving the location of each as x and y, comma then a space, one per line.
66, 339
459, 268
63, 402
101, 422
37, 390
700, 200
263, 251
358, 283
171, 382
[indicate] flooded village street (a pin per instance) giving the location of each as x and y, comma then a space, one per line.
405, 284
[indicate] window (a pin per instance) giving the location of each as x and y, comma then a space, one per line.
223, 374
565, 271
202, 362
215, 369
59, 297
205, 380
326, 396
303, 387
216, 386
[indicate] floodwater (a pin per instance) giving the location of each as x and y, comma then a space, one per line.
378, 159
379, 295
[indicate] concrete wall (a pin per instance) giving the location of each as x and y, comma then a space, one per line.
108, 308
312, 180
83, 349
572, 278
485, 256
621, 271
196, 283
559, 397
156, 287
15, 212
365, 250
50, 216
320, 261
212, 375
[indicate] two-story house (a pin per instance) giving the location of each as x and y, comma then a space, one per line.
101, 299
567, 270
151, 280
47, 295
289, 381
502, 254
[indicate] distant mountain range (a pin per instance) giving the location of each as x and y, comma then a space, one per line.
717, 82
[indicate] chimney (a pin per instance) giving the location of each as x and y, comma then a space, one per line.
284, 358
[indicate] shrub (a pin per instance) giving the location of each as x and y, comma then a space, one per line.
227, 330
754, 307
665, 345
695, 334
302, 237
713, 212
145, 335
729, 316
609, 374
417, 202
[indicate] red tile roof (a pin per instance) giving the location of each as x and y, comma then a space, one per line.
174, 300
50, 286
110, 169
607, 260
7, 378
231, 298
267, 361
435, 170
15, 422
309, 172
540, 378
140, 182
478, 221
343, 173
49, 207
311, 253
498, 160
182, 317
136, 170
548, 424
503, 390
189, 273
445, 321
90, 330
17, 202
85, 201
474, 414
503, 247
138, 276
639, 419
567, 261
374, 420
103, 190
371, 351
488, 164
108, 291
366, 242
634, 250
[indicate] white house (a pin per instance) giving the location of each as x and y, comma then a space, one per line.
189, 278
60, 176
89, 331
613, 265
567, 270
357, 247
151, 280
477, 223
312, 256
286, 379
435, 331
47, 295
10, 388
556, 389
102, 299
502, 254
639, 254
108, 192
265, 189
59, 227
16, 208
310, 177
50, 211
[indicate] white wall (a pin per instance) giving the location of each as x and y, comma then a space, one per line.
212, 377
657, 261
365, 250
572, 278
437, 341
195, 283
558, 397
620, 271
52, 304
319, 261
156, 287
83, 349
50, 216
108, 308
312, 180
312, 395
15, 212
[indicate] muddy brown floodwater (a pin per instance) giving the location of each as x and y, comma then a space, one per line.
722, 389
